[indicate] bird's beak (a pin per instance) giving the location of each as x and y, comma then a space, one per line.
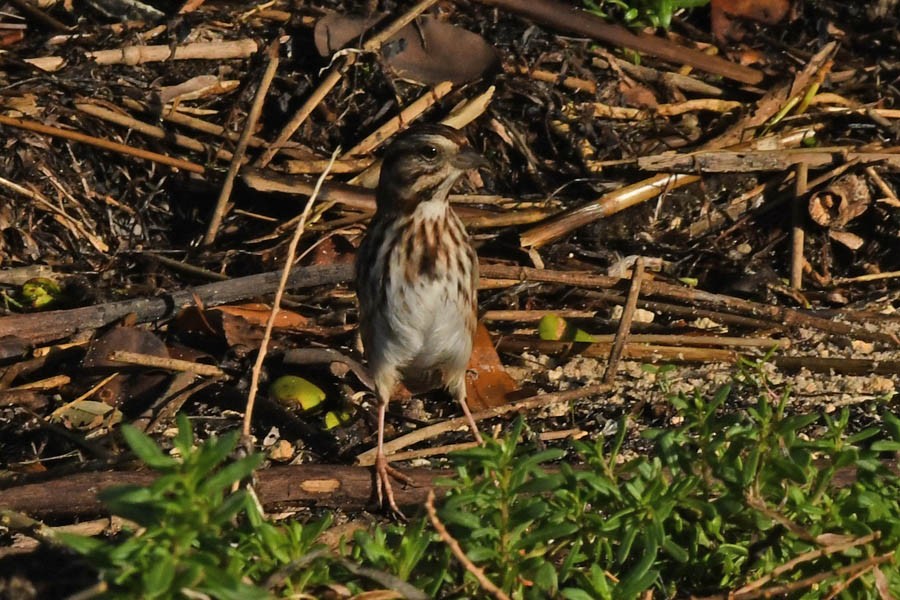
468, 159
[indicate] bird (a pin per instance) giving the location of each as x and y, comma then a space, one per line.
416, 278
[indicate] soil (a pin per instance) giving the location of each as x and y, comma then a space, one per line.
106, 226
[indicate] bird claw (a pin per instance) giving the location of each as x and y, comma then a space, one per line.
383, 474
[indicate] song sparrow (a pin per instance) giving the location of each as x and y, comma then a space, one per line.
417, 276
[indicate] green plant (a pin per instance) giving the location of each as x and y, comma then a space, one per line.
193, 534
741, 493
657, 13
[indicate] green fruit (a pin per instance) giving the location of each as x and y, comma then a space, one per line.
292, 391
40, 292
555, 328
336, 419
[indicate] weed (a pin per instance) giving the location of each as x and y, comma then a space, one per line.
730, 498
657, 13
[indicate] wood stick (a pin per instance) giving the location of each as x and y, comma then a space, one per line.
53, 325
680, 354
249, 125
750, 161
57, 324
367, 458
777, 314
152, 361
101, 143
344, 61
394, 124
569, 18
136, 55
634, 292
153, 131
798, 232
278, 488
605, 206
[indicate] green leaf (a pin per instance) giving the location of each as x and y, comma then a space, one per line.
885, 446
211, 454
184, 439
231, 474
461, 518
864, 435
575, 594
540, 484
546, 533
640, 577
529, 462
891, 425
544, 578
159, 575
81, 543
146, 449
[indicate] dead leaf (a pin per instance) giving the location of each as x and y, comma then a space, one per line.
133, 382
726, 14
637, 95
427, 51
841, 202
333, 250
195, 88
281, 451
490, 384
258, 314
851, 240
239, 326
32, 399
11, 38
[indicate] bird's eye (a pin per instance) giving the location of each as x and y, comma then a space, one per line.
428, 152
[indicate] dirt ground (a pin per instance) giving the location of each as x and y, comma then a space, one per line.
731, 139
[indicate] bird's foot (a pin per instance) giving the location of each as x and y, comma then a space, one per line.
383, 474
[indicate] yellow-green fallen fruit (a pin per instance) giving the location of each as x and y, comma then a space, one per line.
336, 419
292, 391
557, 329
40, 292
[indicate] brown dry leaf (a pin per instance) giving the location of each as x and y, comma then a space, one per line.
333, 250
281, 451
258, 314
851, 240
427, 51
133, 382
25, 105
127, 339
11, 38
490, 384
195, 88
637, 95
31, 399
240, 326
240, 334
841, 202
724, 13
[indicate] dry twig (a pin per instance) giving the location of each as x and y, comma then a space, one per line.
454, 546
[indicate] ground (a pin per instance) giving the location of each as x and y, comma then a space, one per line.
566, 122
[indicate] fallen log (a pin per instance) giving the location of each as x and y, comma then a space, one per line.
48, 326
278, 488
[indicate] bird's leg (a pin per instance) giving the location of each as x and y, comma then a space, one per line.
383, 471
459, 392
